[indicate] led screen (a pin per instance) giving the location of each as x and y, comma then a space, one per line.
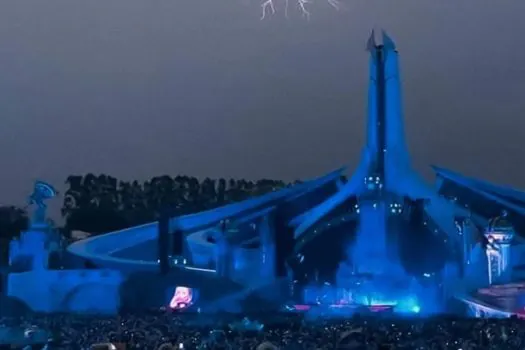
181, 297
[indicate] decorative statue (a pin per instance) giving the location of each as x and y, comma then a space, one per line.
41, 192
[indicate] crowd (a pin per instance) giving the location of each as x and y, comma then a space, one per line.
283, 331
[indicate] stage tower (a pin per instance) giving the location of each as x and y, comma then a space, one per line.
384, 184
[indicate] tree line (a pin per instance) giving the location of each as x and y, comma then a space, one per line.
98, 204
101, 203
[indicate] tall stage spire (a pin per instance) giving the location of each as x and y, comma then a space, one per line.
384, 172
385, 134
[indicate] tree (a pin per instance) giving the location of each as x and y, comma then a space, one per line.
208, 193
91, 204
221, 192
100, 203
13, 221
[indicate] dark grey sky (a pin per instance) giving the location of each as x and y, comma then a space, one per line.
202, 87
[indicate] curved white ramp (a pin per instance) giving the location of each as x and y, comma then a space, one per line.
100, 249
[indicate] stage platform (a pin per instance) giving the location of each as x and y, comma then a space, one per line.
341, 310
503, 300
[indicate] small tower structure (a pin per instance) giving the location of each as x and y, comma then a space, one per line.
31, 251
499, 234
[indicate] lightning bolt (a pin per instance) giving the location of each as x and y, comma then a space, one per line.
304, 11
268, 7
335, 4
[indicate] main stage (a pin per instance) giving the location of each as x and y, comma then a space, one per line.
384, 236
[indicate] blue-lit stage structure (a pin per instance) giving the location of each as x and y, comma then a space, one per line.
383, 240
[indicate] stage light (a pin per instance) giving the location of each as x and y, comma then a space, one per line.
200, 269
416, 309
